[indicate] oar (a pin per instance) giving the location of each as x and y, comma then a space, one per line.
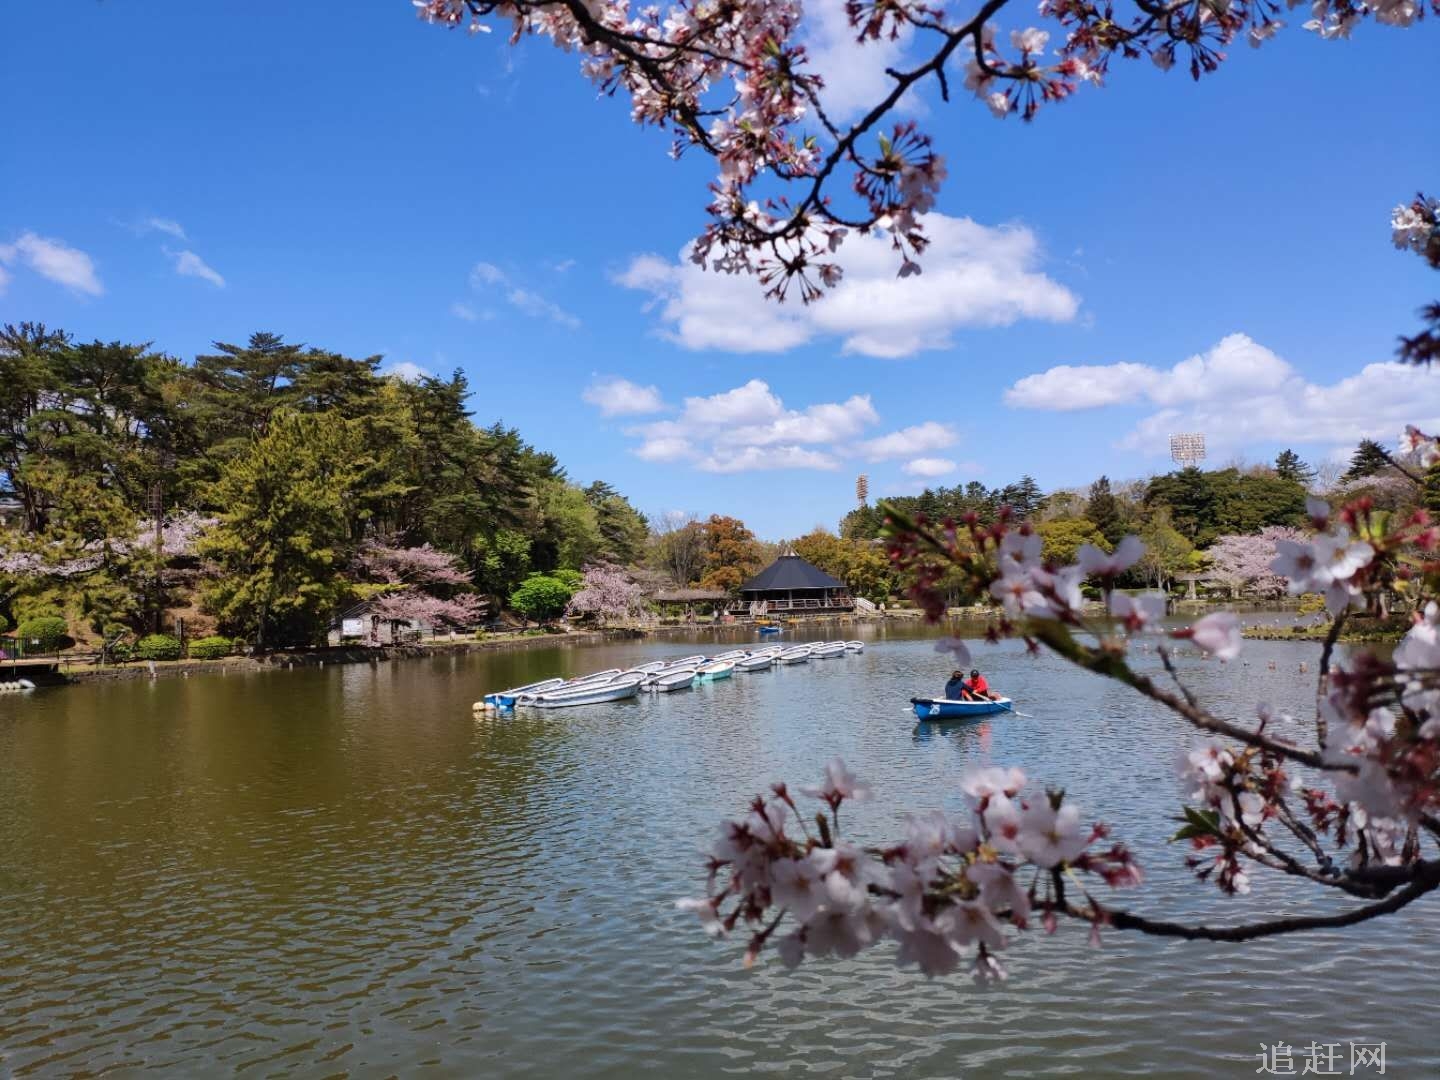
1010, 707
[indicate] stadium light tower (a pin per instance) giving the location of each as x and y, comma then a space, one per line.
862, 488
1188, 450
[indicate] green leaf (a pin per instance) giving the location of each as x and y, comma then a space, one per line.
1197, 823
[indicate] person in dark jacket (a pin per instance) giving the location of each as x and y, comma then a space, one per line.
955, 689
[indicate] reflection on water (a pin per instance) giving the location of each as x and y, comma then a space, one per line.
340, 872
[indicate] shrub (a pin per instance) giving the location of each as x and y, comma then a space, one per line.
44, 633
157, 647
209, 648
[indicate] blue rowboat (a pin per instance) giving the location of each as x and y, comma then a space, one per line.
505, 699
769, 629
943, 709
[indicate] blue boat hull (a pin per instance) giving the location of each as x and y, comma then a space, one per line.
941, 709
769, 629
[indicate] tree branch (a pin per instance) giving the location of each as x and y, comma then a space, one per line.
1427, 879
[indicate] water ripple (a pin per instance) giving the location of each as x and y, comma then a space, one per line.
341, 873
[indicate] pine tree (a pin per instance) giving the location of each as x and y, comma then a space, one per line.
1104, 510
1025, 497
1431, 494
285, 536
1369, 458
1289, 466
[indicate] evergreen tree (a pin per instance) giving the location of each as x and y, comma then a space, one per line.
1025, 497
1431, 492
1369, 458
1104, 510
238, 388
1289, 466
285, 536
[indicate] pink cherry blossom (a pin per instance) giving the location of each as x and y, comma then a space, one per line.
1217, 634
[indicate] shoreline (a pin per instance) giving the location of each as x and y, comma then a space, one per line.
63, 673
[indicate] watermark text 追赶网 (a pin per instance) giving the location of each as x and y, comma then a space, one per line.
1352, 1058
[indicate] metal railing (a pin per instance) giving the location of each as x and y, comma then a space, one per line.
838, 603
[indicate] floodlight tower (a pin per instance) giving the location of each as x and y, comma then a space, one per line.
862, 488
1187, 450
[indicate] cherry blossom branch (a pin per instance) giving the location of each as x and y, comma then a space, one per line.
1425, 880
1112, 666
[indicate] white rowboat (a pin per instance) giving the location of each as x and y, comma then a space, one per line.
669, 681
593, 694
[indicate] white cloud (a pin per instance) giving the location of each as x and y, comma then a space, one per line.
621, 397
1239, 394
484, 273
408, 370
4, 278
464, 311
1068, 387
854, 74
929, 466
665, 448
1237, 365
907, 442
188, 264
488, 278
753, 458
164, 225
974, 275
536, 305
53, 260
563, 265
749, 428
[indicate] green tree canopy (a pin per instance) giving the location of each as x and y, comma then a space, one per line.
542, 597
1062, 537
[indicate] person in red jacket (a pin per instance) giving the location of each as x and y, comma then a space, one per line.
978, 686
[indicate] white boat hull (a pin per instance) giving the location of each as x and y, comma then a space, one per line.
592, 695
671, 681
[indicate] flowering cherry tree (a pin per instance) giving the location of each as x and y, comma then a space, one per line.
408, 578
1355, 810
1244, 562
732, 79
607, 593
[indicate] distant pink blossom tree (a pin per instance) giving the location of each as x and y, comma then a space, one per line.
410, 576
607, 593
423, 565
1242, 563
412, 606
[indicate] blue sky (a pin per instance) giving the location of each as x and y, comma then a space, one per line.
366, 183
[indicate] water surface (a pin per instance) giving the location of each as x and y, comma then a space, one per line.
341, 872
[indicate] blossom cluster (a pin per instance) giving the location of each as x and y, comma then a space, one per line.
948, 893
179, 538
733, 80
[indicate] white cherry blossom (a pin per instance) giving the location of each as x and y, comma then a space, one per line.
1098, 563
1139, 613
1050, 836
1217, 634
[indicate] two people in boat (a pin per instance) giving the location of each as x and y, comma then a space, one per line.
974, 688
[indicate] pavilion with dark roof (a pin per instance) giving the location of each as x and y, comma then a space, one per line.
792, 586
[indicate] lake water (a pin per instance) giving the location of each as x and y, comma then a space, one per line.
341, 872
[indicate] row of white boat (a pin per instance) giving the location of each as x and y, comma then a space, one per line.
658, 676
16, 686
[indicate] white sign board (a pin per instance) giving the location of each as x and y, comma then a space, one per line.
352, 628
